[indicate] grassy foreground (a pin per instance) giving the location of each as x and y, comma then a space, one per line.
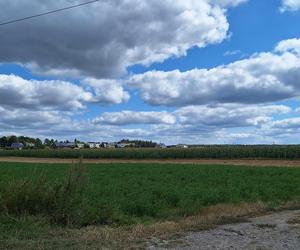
36, 199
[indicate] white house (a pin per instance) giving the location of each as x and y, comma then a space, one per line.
80, 145
94, 144
123, 145
161, 145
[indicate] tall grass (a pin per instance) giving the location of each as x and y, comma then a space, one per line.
62, 202
213, 152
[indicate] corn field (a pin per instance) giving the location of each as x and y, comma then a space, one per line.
205, 152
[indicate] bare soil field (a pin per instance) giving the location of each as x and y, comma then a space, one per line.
238, 162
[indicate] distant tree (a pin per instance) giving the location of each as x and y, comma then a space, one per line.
12, 139
47, 142
38, 143
3, 142
140, 143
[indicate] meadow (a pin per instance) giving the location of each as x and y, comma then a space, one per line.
36, 197
289, 152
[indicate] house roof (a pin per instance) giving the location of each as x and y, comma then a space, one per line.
17, 145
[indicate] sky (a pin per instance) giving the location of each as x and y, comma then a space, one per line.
185, 71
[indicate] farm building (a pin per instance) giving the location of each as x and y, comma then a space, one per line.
124, 145
17, 146
108, 145
80, 145
94, 144
64, 145
29, 145
161, 145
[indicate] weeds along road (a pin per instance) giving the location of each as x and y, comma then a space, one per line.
240, 162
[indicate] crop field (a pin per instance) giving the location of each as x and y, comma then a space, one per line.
290, 152
36, 197
133, 193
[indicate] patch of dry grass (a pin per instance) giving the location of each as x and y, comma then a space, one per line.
295, 220
138, 235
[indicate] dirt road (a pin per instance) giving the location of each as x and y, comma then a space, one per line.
242, 162
279, 231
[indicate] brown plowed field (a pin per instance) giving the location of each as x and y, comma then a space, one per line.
245, 162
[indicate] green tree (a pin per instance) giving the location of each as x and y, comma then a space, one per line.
39, 143
3, 142
12, 139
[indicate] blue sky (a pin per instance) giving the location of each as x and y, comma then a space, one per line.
204, 71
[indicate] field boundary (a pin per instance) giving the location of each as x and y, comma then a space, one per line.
239, 162
141, 236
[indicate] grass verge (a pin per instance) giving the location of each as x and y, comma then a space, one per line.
37, 233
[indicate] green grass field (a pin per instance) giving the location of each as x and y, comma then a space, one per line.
126, 194
129, 193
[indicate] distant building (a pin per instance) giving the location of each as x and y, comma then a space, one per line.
79, 145
64, 145
94, 144
124, 145
17, 146
111, 145
108, 145
182, 146
104, 144
161, 145
29, 145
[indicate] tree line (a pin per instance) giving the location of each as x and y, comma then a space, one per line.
29, 142
140, 143
7, 141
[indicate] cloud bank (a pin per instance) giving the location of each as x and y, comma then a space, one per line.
103, 39
262, 78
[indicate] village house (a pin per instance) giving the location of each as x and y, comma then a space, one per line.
94, 144
17, 146
64, 145
79, 145
124, 145
161, 145
29, 145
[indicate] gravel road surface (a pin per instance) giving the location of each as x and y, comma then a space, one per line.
279, 231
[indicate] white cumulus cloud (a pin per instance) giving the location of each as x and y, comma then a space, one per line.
101, 40
18, 93
131, 117
106, 91
229, 115
290, 5
292, 45
262, 78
